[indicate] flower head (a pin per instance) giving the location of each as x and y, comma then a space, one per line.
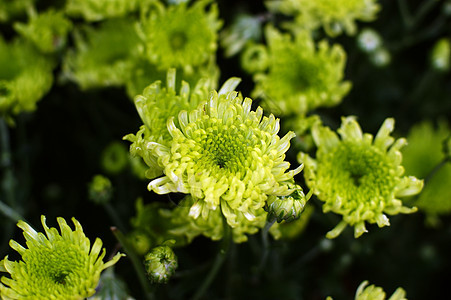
156, 104
228, 157
103, 54
335, 17
96, 10
47, 31
181, 36
56, 265
357, 176
300, 75
25, 77
365, 291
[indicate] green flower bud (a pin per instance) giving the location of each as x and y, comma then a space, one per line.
115, 158
369, 40
380, 57
140, 241
441, 55
288, 208
161, 263
100, 189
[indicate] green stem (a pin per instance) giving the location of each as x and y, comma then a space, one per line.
436, 169
8, 181
114, 216
137, 263
265, 243
405, 14
219, 260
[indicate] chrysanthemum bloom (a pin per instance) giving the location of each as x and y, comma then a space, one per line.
423, 154
102, 56
372, 292
358, 177
335, 17
228, 157
156, 104
300, 75
96, 10
55, 265
25, 77
47, 31
181, 36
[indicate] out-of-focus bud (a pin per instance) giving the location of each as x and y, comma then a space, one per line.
100, 189
441, 55
380, 57
140, 241
369, 40
115, 158
161, 263
288, 208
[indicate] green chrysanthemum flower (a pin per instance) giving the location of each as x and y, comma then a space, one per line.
334, 16
47, 31
55, 265
300, 76
102, 54
96, 10
25, 77
226, 156
421, 156
155, 106
372, 292
181, 36
358, 177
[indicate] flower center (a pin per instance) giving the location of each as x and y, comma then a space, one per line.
178, 40
225, 147
357, 173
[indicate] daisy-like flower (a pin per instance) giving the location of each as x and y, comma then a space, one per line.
181, 36
25, 77
156, 104
56, 265
47, 31
102, 54
228, 157
421, 156
335, 17
359, 177
300, 75
96, 10
372, 292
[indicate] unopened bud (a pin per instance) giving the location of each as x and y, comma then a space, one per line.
100, 189
288, 208
441, 55
161, 263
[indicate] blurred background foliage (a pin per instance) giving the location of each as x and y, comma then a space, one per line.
49, 157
